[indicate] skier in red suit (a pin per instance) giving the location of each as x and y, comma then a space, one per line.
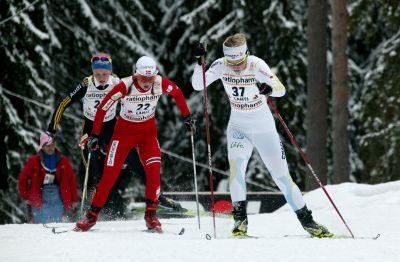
135, 127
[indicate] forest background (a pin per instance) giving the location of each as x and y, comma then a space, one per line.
46, 49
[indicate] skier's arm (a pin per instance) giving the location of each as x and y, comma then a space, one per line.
174, 91
74, 95
212, 74
118, 92
265, 75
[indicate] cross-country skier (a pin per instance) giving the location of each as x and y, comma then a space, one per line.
135, 128
91, 91
247, 80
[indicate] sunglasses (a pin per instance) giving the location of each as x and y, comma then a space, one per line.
101, 58
235, 63
141, 78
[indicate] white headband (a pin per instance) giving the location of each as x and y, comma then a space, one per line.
235, 53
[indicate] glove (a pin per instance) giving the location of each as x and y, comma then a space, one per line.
103, 149
199, 52
93, 142
83, 141
265, 89
46, 138
190, 123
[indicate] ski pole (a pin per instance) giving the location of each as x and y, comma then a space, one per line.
203, 65
84, 194
303, 156
195, 176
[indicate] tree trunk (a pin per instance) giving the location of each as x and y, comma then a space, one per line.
340, 141
317, 101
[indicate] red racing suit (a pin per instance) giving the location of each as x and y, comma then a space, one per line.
135, 127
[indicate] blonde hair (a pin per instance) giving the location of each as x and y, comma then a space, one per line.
235, 40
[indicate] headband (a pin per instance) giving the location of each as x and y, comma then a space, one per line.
235, 53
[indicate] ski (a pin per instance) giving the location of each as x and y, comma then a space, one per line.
335, 237
160, 231
62, 229
209, 237
244, 237
362, 237
48, 226
54, 231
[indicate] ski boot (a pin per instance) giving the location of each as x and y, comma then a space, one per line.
169, 203
240, 216
150, 216
90, 219
313, 228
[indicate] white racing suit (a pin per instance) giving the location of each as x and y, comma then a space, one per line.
251, 124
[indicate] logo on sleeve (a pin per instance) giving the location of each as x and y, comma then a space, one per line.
215, 64
116, 96
107, 105
265, 73
169, 89
75, 91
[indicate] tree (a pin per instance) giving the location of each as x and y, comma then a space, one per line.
317, 104
340, 94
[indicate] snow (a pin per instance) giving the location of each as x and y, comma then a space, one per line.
368, 210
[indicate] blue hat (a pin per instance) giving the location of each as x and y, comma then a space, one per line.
101, 62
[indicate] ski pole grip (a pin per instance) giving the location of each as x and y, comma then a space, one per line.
203, 57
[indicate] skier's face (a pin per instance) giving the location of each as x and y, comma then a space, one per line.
102, 75
237, 66
145, 82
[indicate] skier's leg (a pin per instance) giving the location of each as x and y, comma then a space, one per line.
116, 154
239, 153
114, 208
273, 155
150, 155
117, 151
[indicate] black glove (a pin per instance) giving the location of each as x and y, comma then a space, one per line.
50, 134
93, 142
199, 52
190, 123
265, 89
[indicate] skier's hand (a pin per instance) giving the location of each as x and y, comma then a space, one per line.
265, 89
103, 149
199, 52
93, 142
46, 138
190, 123
83, 141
